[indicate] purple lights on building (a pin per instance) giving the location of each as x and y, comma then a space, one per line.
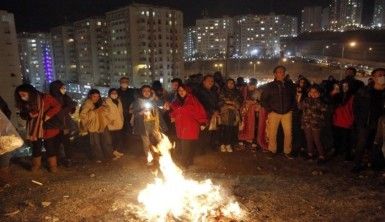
47, 61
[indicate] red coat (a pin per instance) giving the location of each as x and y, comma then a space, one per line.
343, 115
188, 118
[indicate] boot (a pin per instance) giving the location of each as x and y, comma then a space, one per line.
52, 164
5, 176
36, 164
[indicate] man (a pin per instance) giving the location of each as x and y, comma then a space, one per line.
368, 107
209, 99
278, 98
350, 77
175, 83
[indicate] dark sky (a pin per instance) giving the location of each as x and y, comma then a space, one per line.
40, 15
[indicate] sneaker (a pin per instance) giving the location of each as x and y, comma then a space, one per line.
229, 149
223, 149
117, 154
240, 143
289, 156
253, 145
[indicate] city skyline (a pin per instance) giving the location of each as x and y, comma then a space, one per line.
54, 13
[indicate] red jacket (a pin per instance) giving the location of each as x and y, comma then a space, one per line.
343, 115
188, 118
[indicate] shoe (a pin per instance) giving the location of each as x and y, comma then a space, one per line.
98, 161
289, 156
229, 149
52, 164
223, 149
36, 164
240, 143
117, 154
253, 145
308, 157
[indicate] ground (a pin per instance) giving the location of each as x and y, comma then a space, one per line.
268, 189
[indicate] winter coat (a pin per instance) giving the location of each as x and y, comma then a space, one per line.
209, 99
152, 120
115, 114
229, 103
279, 97
92, 119
314, 113
343, 114
368, 106
127, 97
188, 116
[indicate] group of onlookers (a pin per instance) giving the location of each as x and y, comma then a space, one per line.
209, 113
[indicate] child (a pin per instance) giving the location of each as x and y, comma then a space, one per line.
313, 119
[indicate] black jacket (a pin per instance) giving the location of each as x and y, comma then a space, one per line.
368, 106
127, 97
279, 97
209, 100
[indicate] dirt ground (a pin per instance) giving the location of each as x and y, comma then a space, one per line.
269, 189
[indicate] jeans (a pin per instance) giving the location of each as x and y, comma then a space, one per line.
313, 137
101, 147
228, 135
273, 121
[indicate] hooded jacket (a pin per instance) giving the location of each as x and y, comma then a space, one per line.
115, 114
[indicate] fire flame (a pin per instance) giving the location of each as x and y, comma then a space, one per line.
174, 197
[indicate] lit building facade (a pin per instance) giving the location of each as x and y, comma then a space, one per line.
146, 44
379, 14
36, 59
91, 48
213, 37
63, 48
311, 19
9, 59
346, 15
259, 35
190, 43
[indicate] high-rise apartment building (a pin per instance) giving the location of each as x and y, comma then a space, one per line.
311, 19
36, 58
146, 44
91, 47
9, 59
346, 14
63, 48
379, 14
190, 43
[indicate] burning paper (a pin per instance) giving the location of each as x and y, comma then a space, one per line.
9, 143
174, 197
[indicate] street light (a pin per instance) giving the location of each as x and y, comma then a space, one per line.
254, 66
218, 66
323, 50
352, 44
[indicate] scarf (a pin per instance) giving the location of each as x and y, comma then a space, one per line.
35, 125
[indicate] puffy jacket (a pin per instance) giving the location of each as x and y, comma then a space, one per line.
279, 97
115, 115
92, 120
343, 115
188, 116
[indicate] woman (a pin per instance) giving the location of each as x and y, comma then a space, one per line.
43, 126
229, 102
94, 121
57, 90
189, 117
147, 119
115, 121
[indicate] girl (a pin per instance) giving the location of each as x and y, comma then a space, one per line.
40, 111
189, 117
147, 119
115, 121
93, 120
313, 120
229, 103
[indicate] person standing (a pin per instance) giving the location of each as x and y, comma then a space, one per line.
368, 106
189, 117
229, 102
94, 121
115, 121
313, 120
57, 89
43, 125
278, 98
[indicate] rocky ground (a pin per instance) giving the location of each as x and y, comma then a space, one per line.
269, 189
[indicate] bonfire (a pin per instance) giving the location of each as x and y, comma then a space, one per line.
172, 197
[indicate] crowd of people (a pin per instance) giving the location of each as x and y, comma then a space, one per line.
208, 113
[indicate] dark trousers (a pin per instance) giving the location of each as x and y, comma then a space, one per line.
51, 146
313, 137
209, 140
64, 139
101, 147
365, 140
116, 139
187, 148
298, 133
342, 141
228, 135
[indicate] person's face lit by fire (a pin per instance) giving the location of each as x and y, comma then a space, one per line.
280, 74
208, 83
314, 93
302, 83
24, 96
336, 90
182, 92
379, 77
230, 84
146, 92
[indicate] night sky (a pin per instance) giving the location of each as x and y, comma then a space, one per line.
40, 15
